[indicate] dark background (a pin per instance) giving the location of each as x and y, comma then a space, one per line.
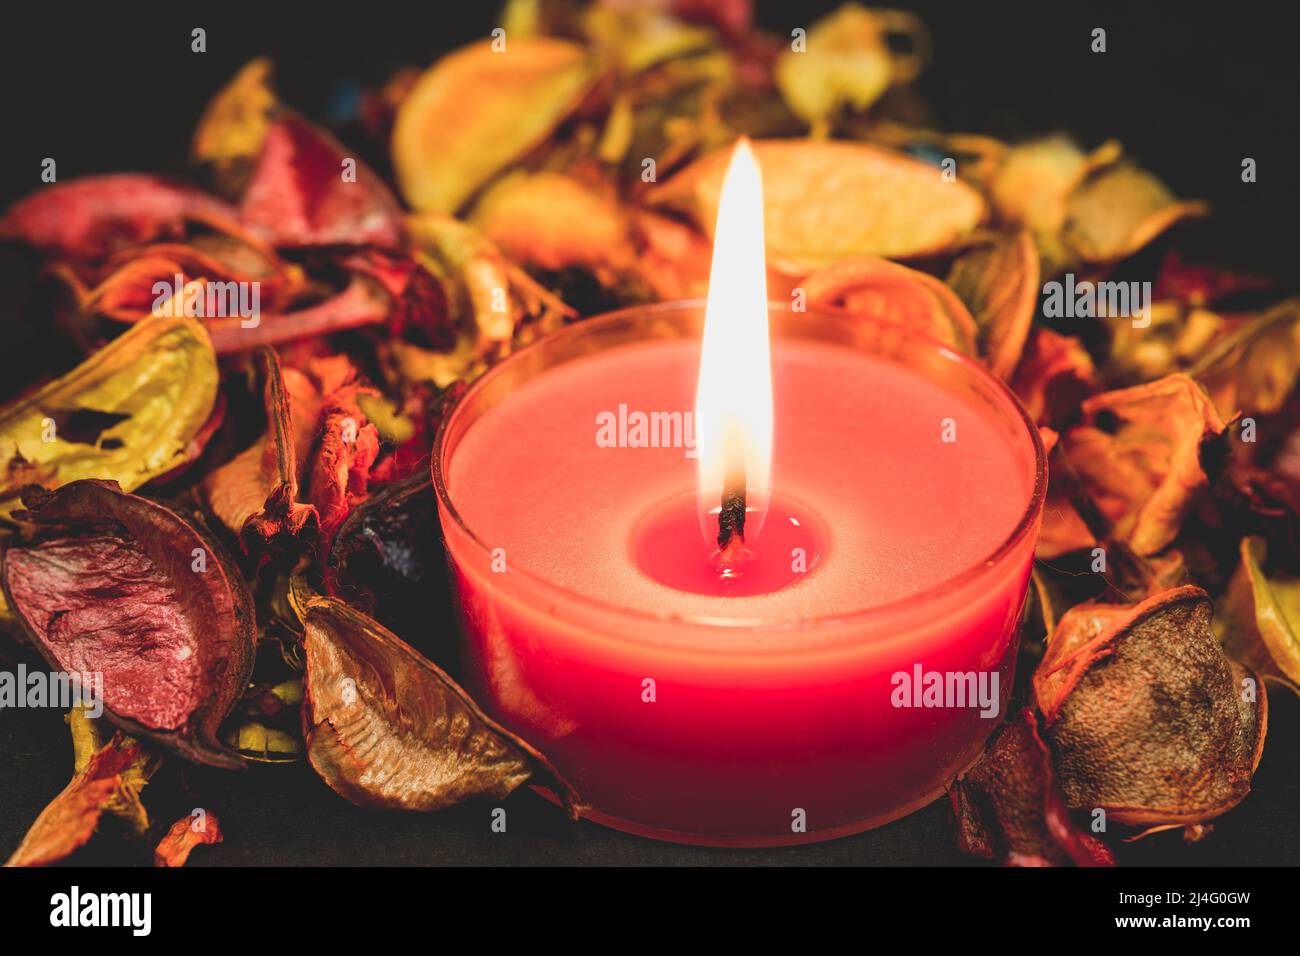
1189, 89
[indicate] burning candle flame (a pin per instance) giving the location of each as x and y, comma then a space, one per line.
733, 400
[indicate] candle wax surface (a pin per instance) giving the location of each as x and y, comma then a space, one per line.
858, 441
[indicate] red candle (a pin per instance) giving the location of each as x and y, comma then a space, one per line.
832, 668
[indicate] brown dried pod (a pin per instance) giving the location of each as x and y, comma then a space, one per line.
386, 727
110, 583
1146, 717
1009, 807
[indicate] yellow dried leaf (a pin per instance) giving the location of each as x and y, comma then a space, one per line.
1118, 210
153, 388
825, 201
847, 62
554, 222
234, 125
1261, 616
476, 111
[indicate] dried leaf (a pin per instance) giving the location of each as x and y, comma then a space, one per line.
87, 219
1054, 375
128, 413
1146, 717
1118, 210
234, 126
1255, 368
255, 494
848, 63
1138, 453
111, 583
1009, 807
301, 194
476, 111
998, 281
387, 728
1261, 616
826, 201
886, 290
361, 303
183, 836
553, 222
113, 774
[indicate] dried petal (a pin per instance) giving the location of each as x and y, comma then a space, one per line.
1054, 375
998, 281
256, 493
129, 413
1261, 616
89, 218
1182, 747
476, 111
1118, 210
387, 728
111, 583
301, 195
184, 835
1009, 807
1255, 368
554, 222
234, 126
848, 62
886, 290
67, 824
1138, 452
825, 201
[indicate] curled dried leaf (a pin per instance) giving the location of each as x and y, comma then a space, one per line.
1182, 748
476, 111
825, 201
1009, 807
88, 219
202, 829
114, 584
1255, 367
1054, 375
386, 727
998, 281
1138, 453
255, 494
1261, 616
1119, 209
886, 290
112, 777
129, 413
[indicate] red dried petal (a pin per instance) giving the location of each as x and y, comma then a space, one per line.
183, 836
298, 196
92, 217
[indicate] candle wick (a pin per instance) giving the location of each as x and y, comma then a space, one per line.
731, 517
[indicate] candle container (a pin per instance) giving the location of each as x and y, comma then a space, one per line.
775, 724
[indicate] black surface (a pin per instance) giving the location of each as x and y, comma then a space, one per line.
1189, 89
